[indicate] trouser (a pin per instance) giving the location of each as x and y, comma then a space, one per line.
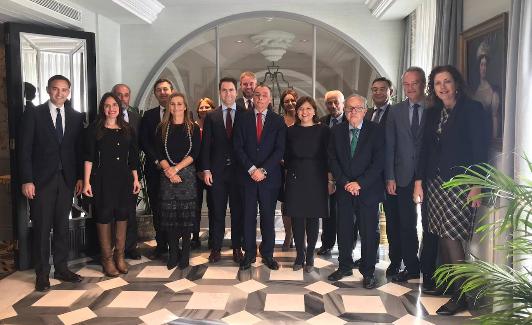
407, 227
153, 188
328, 225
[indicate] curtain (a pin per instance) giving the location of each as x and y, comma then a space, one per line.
52, 63
448, 28
518, 102
406, 58
425, 23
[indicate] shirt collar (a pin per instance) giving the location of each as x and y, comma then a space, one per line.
52, 106
358, 126
339, 118
421, 103
263, 113
224, 107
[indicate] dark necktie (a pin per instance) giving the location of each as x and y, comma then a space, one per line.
59, 125
250, 105
354, 140
377, 115
334, 121
228, 123
414, 125
259, 126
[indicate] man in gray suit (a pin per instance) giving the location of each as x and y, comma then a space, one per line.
403, 141
131, 115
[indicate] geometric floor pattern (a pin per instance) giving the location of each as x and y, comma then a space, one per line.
219, 294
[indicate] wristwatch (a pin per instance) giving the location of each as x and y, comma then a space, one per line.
263, 171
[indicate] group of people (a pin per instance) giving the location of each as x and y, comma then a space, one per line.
337, 168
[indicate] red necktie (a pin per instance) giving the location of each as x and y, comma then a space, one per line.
259, 126
228, 123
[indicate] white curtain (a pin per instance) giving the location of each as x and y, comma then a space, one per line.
425, 22
518, 101
51, 64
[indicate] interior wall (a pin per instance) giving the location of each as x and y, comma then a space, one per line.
477, 11
174, 23
109, 59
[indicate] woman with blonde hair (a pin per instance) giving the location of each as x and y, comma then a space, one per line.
178, 146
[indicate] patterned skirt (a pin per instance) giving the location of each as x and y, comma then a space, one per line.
178, 202
448, 214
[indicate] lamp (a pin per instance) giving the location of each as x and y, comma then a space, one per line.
273, 45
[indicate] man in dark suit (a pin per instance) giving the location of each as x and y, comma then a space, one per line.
220, 170
381, 92
248, 82
334, 101
131, 116
51, 172
356, 159
403, 143
162, 89
259, 143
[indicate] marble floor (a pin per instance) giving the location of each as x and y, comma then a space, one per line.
219, 294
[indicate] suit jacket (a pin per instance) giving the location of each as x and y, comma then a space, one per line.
366, 165
384, 118
402, 147
41, 155
241, 105
461, 143
134, 122
216, 148
147, 141
267, 154
327, 119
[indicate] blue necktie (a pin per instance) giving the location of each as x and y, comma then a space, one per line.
59, 125
414, 126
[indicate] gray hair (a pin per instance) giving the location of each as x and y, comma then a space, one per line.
336, 93
360, 97
120, 85
418, 70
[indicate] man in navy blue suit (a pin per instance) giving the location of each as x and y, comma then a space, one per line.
356, 159
259, 143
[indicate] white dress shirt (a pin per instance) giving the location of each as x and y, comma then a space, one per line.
53, 113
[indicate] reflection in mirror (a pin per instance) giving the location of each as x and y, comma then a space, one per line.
43, 56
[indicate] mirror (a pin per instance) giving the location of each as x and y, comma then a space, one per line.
34, 54
43, 56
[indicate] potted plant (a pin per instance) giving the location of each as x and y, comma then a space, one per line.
506, 290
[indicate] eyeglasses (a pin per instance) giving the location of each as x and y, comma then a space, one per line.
358, 109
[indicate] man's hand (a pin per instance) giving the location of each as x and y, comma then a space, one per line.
136, 187
79, 187
28, 190
417, 196
353, 188
391, 187
257, 175
207, 178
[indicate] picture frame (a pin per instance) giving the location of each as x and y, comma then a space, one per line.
482, 61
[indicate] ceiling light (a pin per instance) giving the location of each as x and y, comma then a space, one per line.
146, 10
303, 40
239, 41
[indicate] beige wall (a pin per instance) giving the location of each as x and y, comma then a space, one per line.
477, 11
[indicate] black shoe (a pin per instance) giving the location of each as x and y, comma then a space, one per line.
246, 263
404, 276
324, 250
428, 282
369, 282
270, 263
215, 256
67, 276
183, 263
157, 253
392, 270
455, 305
42, 283
195, 243
172, 259
357, 263
339, 274
133, 254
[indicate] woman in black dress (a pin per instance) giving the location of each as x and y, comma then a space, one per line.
453, 138
204, 106
178, 146
287, 106
306, 193
111, 163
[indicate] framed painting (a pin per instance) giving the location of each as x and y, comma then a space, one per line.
482, 59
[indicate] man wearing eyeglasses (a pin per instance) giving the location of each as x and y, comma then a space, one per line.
359, 187
334, 101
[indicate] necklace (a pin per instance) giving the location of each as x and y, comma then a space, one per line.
166, 144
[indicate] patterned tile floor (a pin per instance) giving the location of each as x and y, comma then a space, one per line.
219, 294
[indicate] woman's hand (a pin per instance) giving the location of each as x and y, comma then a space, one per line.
472, 193
136, 186
418, 192
175, 179
87, 189
170, 171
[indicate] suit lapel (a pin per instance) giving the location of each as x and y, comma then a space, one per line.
69, 115
345, 141
362, 138
267, 125
405, 117
45, 111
